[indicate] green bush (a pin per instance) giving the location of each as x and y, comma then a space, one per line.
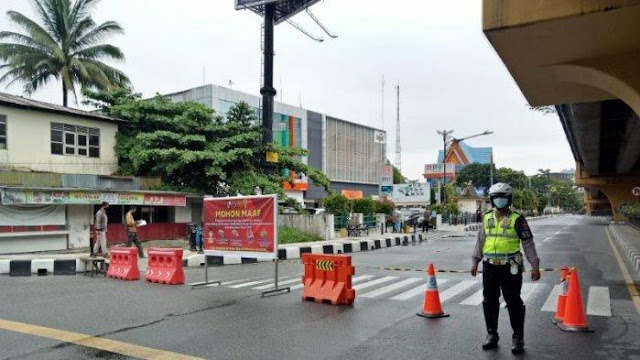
288, 235
337, 205
385, 207
366, 206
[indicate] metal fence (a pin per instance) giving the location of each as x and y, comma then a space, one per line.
370, 221
340, 221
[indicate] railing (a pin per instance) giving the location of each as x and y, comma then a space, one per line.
340, 221
370, 221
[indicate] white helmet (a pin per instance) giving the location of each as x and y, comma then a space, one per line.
501, 190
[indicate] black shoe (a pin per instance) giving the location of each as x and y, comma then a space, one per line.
491, 342
518, 345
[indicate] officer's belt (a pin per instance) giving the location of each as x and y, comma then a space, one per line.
500, 259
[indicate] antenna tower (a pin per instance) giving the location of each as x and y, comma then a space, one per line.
398, 159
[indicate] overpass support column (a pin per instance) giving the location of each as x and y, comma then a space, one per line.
619, 194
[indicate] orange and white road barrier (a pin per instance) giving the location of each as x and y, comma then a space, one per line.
432, 307
124, 263
327, 278
575, 318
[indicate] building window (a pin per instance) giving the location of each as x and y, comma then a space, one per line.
75, 140
3, 132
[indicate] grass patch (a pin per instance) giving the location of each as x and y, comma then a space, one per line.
288, 235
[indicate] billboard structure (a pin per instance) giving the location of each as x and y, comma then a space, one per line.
411, 194
244, 226
284, 9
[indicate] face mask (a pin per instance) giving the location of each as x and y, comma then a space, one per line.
500, 203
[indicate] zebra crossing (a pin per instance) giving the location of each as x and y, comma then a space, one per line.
465, 292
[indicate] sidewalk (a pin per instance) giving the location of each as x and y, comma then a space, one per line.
628, 238
68, 262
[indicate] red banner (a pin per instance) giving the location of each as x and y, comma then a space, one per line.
246, 224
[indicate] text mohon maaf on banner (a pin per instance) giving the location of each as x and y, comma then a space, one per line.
245, 226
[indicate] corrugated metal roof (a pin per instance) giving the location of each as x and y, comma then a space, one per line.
23, 103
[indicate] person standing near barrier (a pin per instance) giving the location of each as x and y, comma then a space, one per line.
498, 247
132, 231
101, 223
425, 220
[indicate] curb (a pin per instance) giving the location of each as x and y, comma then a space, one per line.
633, 254
295, 252
44, 267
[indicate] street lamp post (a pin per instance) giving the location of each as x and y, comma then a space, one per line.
445, 134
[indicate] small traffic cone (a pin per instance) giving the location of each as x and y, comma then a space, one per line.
574, 317
562, 298
432, 307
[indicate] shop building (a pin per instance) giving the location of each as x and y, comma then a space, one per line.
350, 154
56, 165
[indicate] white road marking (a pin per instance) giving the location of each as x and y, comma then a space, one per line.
552, 300
456, 289
415, 291
375, 282
265, 287
599, 301
353, 281
527, 290
250, 283
475, 299
548, 239
390, 288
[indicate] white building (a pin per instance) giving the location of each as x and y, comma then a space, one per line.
56, 166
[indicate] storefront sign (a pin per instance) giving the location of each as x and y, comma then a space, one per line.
245, 226
352, 194
436, 170
414, 193
14, 196
379, 137
387, 176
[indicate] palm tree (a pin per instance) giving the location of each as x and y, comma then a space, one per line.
66, 46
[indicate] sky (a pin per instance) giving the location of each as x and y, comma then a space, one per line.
449, 75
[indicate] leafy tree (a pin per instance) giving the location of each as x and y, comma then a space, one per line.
517, 179
337, 204
478, 174
65, 45
398, 178
366, 206
193, 149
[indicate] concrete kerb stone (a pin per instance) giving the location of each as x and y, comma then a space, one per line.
5, 266
42, 266
74, 265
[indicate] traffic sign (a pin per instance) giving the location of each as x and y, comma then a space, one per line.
636, 191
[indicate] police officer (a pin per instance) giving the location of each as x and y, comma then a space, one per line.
498, 247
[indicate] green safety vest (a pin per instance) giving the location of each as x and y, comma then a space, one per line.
500, 240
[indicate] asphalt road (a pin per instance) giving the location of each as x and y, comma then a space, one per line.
232, 321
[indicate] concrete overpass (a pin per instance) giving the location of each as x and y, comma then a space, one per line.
583, 57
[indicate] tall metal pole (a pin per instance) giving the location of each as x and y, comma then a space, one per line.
444, 166
268, 92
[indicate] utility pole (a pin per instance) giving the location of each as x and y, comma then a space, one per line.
445, 135
382, 103
267, 91
398, 159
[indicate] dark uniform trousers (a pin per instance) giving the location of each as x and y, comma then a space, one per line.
494, 279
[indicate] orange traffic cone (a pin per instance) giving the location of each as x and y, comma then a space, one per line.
574, 316
432, 307
562, 298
